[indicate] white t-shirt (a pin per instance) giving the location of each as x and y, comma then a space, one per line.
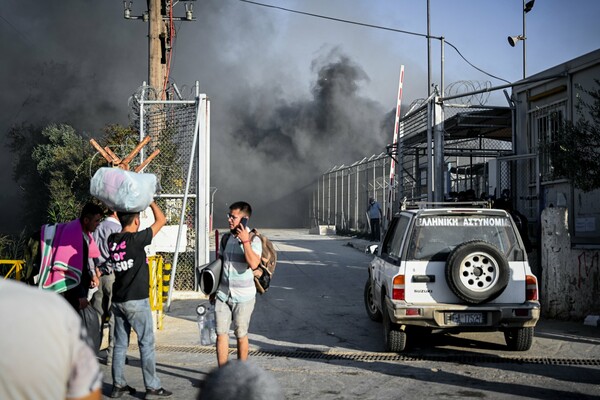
44, 352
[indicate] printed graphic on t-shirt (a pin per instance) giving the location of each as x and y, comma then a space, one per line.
118, 253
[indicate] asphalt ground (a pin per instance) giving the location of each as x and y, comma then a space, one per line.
183, 363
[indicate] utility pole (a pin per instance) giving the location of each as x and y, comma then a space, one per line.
160, 26
156, 29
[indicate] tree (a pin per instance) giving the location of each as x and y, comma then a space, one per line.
574, 150
64, 162
54, 166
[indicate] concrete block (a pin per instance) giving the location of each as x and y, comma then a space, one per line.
322, 230
592, 320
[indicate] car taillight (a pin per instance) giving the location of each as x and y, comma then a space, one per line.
531, 288
398, 288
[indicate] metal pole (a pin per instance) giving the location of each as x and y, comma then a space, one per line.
428, 51
142, 133
442, 43
439, 151
429, 152
524, 44
356, 199
329, 198
318, 201
348, 213
335, 201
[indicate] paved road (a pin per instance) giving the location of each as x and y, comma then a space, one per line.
311, 331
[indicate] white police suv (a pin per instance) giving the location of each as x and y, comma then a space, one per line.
452, 269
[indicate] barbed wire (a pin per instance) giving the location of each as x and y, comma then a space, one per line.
463, 87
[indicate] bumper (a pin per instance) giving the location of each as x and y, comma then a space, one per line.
445, 316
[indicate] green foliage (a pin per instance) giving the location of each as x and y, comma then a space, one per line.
575, 151
121, 139
61, 163
11, 247
54, 165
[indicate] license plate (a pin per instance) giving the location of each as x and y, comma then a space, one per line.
465, 318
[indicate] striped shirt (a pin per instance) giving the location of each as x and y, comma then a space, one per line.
237, 281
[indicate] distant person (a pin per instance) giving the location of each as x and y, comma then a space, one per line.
102, 299
44, 349
375, 214
130, 304
239, 380
236, 293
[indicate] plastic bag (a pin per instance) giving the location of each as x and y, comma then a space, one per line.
122, 190
206, 324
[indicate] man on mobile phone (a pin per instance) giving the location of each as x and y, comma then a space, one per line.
236, 294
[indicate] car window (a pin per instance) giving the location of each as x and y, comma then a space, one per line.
434, 237
393, 244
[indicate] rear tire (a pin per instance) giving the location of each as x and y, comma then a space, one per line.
372, 310
394, 339
519, 339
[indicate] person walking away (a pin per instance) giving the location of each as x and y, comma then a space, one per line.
46, 354
236, 294
102, 298
130, 303
375, 215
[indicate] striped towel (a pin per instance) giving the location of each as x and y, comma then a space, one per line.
62, 256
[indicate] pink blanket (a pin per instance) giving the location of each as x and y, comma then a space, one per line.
62, 256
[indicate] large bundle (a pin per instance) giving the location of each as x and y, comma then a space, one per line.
123, 190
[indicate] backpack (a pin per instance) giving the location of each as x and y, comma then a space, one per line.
268, 261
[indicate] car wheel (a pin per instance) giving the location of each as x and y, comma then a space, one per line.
519, 339
372, 310
394, 339
477, 272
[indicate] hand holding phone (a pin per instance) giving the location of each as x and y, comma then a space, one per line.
244, 222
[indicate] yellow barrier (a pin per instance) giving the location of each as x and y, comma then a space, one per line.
155, 266
17, 267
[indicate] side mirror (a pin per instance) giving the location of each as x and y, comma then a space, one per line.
371, 249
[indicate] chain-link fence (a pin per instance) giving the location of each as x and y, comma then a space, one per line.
341, 195
175, 131
450, 149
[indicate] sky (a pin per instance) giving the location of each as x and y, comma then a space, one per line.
291, 95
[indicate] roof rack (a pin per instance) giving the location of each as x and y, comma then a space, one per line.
411, 205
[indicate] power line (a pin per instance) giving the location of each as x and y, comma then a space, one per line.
22, 35
345, 21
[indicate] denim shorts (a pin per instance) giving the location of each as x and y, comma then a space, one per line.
239, 312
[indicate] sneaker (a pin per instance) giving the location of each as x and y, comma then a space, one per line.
118, 391
156, 393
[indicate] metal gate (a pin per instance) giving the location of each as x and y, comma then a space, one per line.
521, 188
180, 129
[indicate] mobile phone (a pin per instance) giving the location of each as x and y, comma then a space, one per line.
244, 222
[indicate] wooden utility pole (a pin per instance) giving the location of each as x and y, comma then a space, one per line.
160, 21
156, 27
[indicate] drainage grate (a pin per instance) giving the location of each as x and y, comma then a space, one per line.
371, 357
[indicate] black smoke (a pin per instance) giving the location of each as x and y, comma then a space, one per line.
278, 148
273, 134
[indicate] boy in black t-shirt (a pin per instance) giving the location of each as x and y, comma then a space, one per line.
130, 304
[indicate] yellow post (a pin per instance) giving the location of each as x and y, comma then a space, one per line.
155, 266
16, 269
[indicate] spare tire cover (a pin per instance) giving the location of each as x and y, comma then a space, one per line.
477, 272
